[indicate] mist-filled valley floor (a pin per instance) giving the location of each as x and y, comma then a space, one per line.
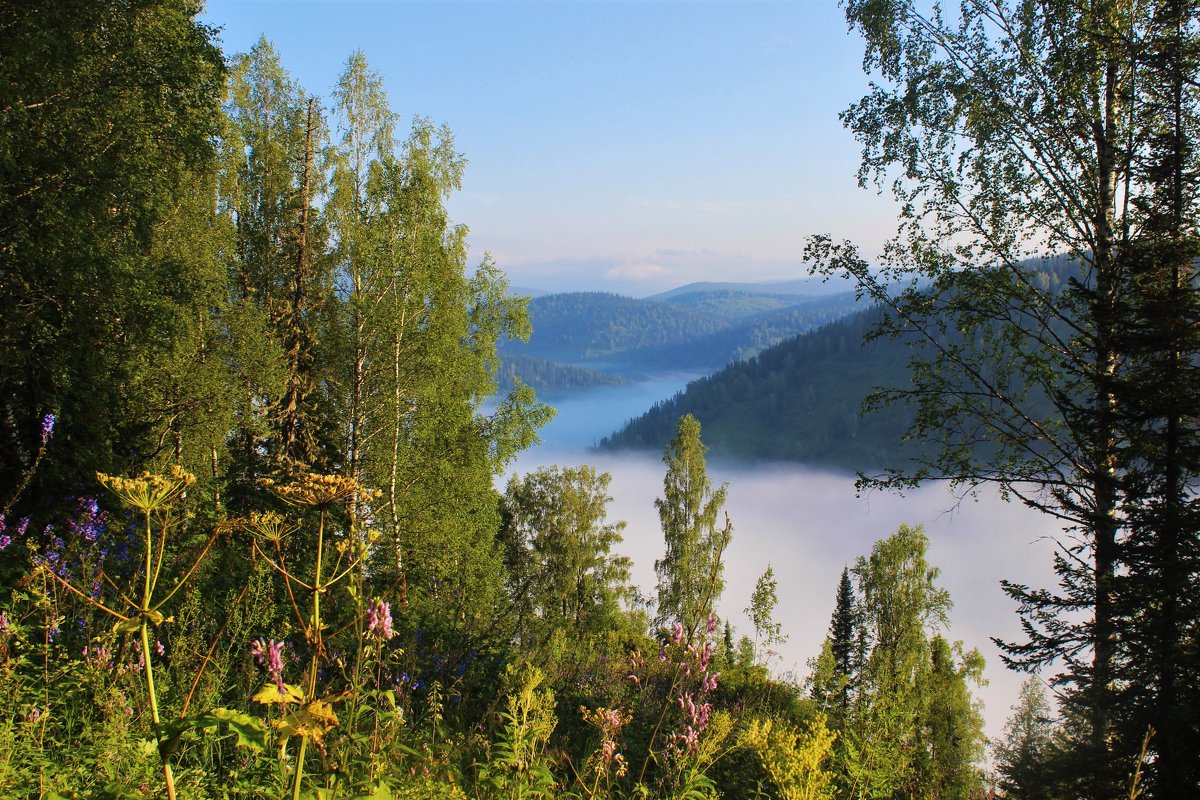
808, 524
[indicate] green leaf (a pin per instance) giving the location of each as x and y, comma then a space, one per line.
128, 626
251, 732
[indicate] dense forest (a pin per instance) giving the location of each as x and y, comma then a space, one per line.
550, 377
250, 428
701, 330
816, 398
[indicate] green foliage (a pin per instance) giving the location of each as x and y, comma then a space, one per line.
796, 761
90, 305
897, 692
691, 571
563, 572
761, 611
1023, 757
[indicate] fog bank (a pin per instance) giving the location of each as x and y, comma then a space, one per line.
809, 524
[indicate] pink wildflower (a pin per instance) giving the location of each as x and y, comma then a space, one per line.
270, 655
379, 620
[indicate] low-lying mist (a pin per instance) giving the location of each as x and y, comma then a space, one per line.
809, 524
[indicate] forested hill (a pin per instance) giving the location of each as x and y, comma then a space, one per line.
581, 326
801, 399
550, 377
797, 401
701, 329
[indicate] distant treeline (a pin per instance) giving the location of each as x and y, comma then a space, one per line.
547, 376
696, 330
802, 399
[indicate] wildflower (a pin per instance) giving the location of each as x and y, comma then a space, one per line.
270, 655
91, 522
22, 526
311, 489
677, 633
379, 620
48, 427
5, 541
4, 624
158, 646
712, 622
149, 491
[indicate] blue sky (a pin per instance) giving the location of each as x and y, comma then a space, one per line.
614, 146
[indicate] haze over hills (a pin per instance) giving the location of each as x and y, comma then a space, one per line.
816, 286
700, 327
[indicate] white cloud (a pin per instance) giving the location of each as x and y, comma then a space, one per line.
638, 271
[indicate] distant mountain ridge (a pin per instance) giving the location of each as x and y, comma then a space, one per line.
800, 399
816, 286
697, 329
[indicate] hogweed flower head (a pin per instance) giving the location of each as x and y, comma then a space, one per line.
312, 489
271, 525
149, 491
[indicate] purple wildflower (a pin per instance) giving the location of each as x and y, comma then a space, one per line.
379, 620
712, 622
677, 633
4, 624
158, 647
5, 541
91, 522
22, 526
270, 655
48, 427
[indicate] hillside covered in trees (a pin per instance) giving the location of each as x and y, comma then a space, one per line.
700, 330
810, 398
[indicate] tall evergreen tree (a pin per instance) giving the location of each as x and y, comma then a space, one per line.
911, 728
277, 146
691, 571
1023, 757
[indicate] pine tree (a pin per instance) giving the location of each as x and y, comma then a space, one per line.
1023, 757
1019, 131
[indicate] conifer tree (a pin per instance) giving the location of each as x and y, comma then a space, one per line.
1023, 757
1019, 131
276, 146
